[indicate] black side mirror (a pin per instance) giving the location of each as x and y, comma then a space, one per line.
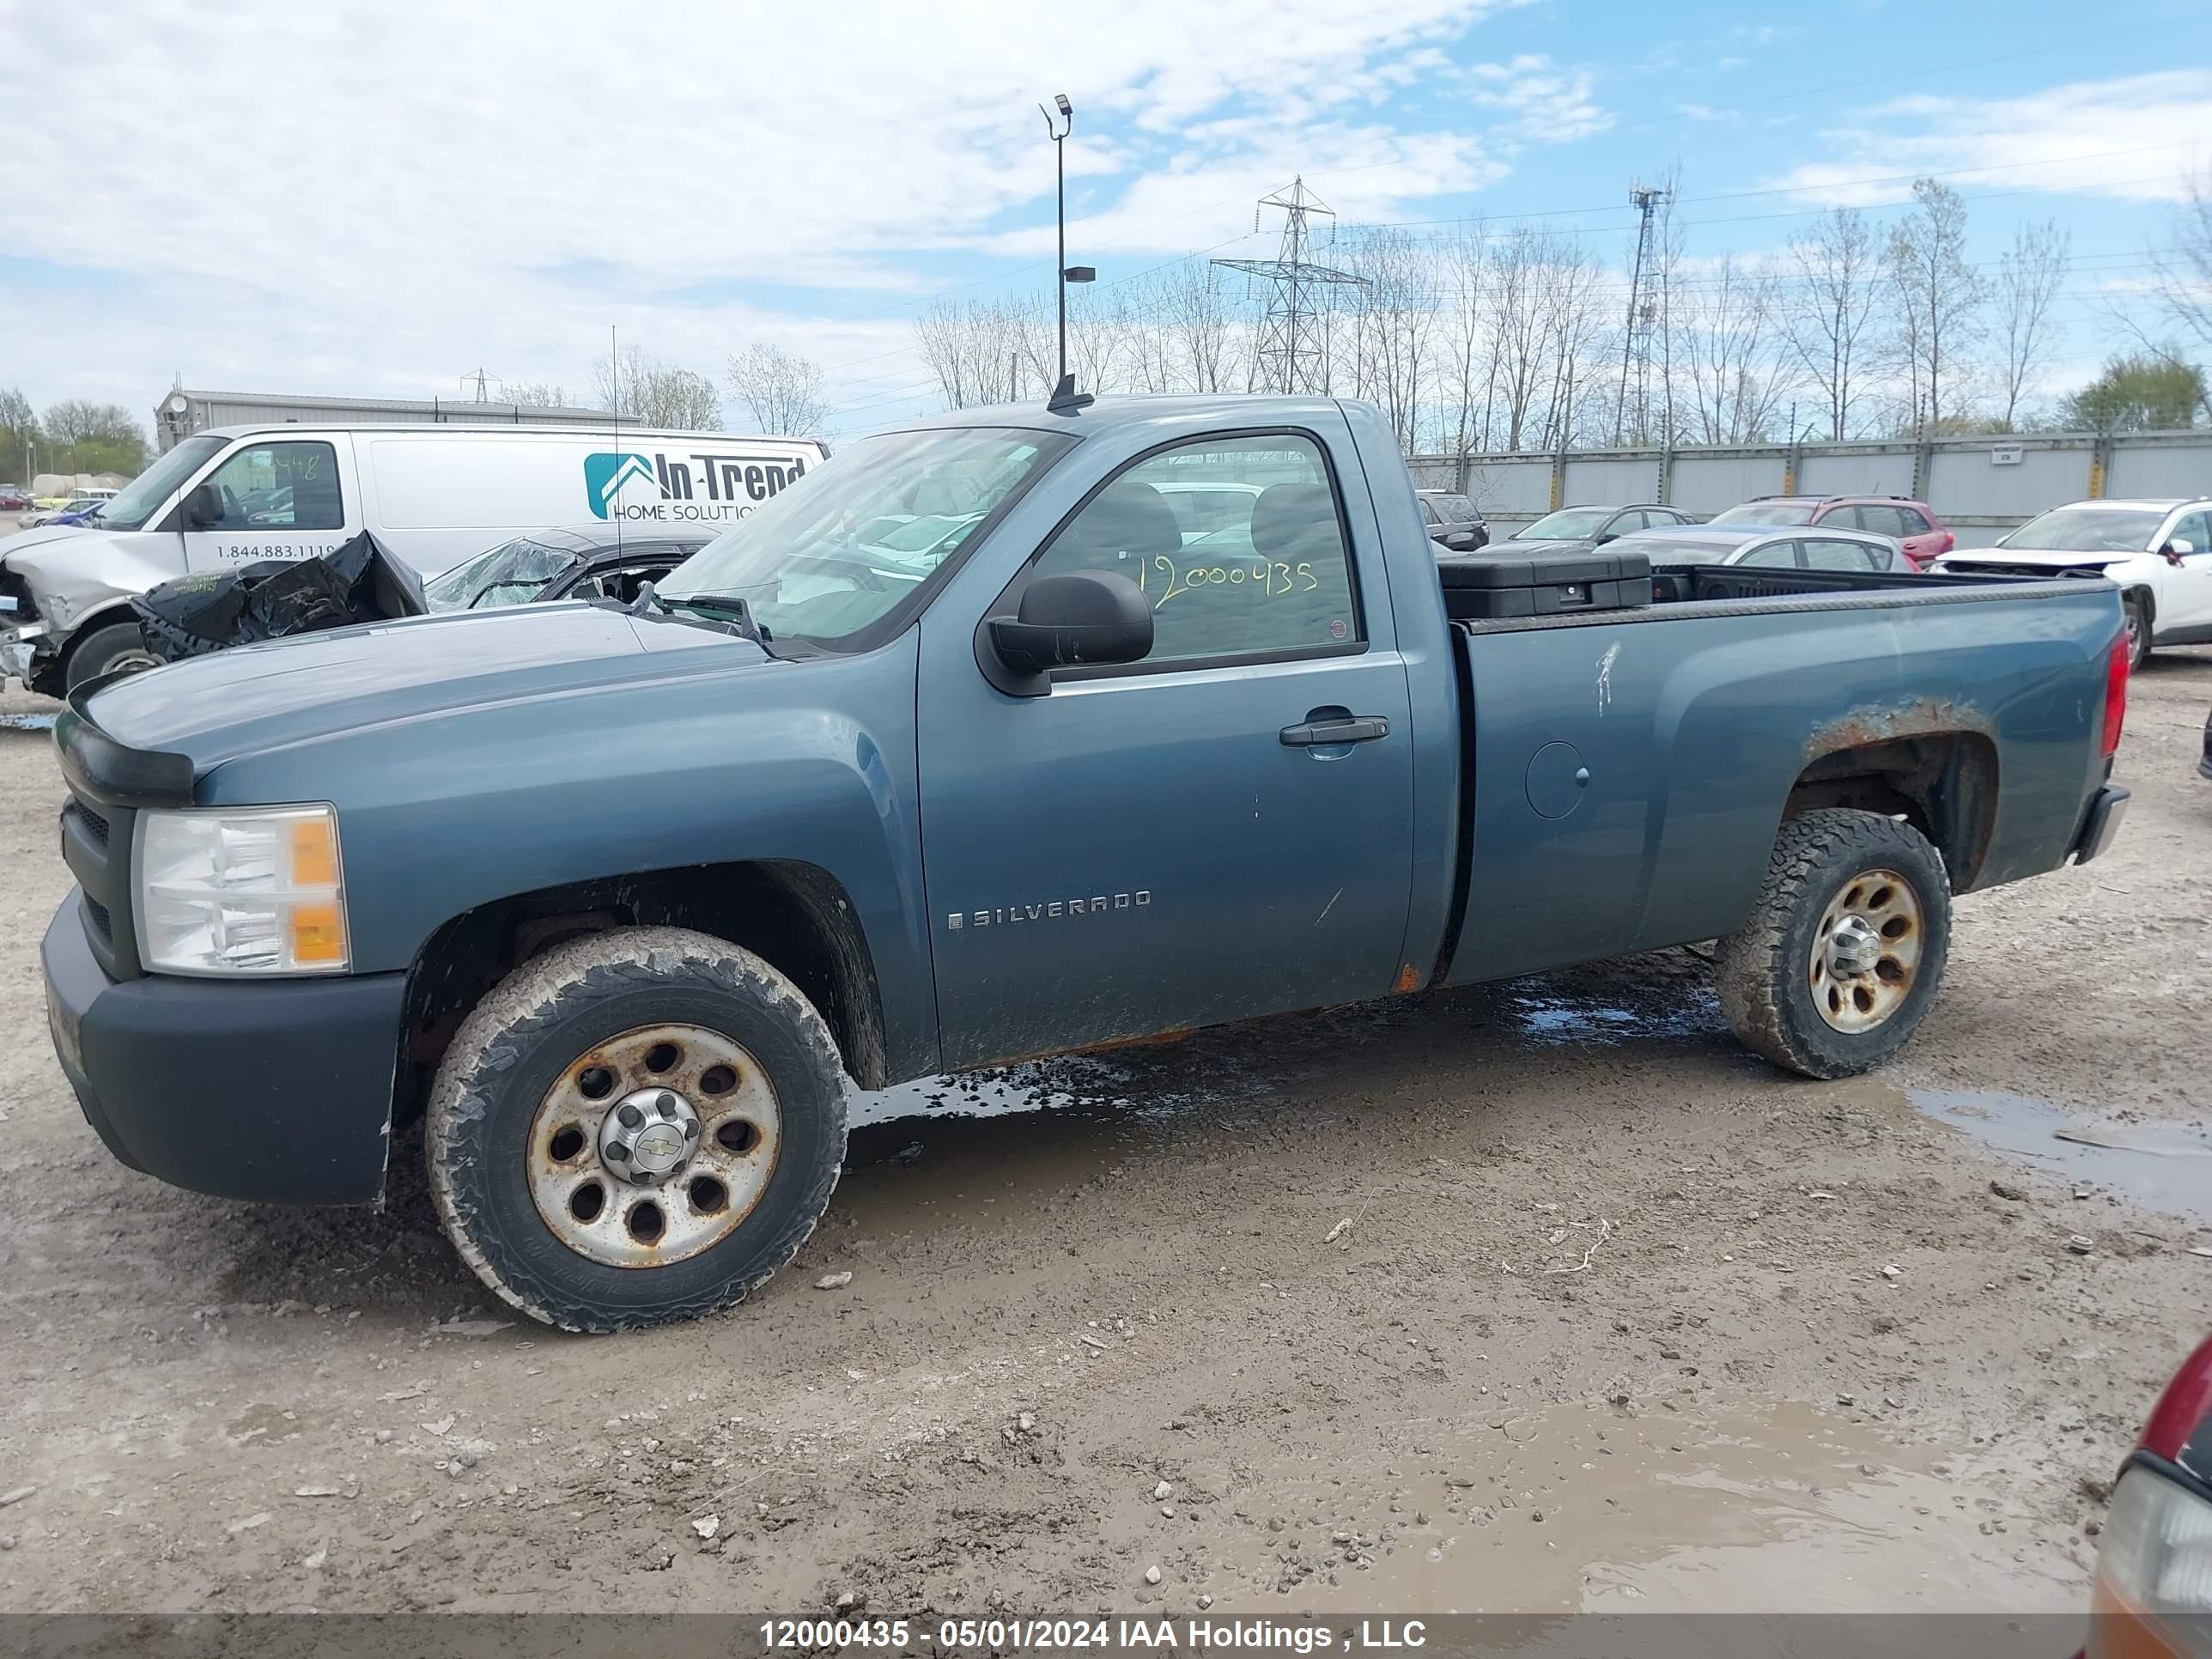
1076, 621
1607, 536
203, 507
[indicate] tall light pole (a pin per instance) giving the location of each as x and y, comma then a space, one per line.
1059, 131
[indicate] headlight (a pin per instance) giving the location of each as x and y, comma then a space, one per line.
2155, 1570
245, 890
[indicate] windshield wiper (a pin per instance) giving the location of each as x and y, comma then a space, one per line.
739, 610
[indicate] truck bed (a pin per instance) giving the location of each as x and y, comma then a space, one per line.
1627, 769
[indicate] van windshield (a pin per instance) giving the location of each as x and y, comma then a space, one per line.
137, 502
843, 557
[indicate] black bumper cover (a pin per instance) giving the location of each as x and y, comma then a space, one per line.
2101, 825
276, 1091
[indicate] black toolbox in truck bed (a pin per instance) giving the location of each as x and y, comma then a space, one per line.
1485, 585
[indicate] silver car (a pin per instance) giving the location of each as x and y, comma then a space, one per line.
1775, 547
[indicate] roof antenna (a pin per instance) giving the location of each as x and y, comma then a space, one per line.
1065, 399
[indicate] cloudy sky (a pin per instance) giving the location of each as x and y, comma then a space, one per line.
377, 200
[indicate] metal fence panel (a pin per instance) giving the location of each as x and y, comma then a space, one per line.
1973, 484
1592, 480
1859, 471
1510, 487
1966, 486
2148, 467
1705, 484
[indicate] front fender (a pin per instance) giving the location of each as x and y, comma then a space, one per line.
75, 574
811, 763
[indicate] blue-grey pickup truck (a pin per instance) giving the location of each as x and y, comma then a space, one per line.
1015, 731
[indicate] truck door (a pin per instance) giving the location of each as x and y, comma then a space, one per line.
1222, 830
283, 498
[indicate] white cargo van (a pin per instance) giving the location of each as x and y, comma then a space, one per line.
431, 494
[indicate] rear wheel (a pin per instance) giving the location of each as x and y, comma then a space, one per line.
637, 1126
1845, 948
2138, 623
103, 651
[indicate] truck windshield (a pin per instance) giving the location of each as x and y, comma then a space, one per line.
844, 558
2088, 530
137, 502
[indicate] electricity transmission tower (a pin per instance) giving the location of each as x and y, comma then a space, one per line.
1291, 346
1636, 341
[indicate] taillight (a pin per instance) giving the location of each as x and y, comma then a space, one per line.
2116, 693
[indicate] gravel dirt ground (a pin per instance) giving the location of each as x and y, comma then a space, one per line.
1535, 1296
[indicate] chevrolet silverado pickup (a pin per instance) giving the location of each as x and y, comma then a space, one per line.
620, 899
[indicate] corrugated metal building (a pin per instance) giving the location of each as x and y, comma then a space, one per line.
183, 411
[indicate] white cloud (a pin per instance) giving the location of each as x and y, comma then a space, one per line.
355, 197
2132, 138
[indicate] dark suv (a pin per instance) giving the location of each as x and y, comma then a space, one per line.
1454, 521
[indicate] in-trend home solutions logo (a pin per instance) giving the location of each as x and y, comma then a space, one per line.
704, 487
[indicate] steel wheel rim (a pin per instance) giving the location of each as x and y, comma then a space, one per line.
599, 1207
1866, 953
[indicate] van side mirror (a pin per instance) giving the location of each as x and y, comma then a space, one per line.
1080, 620
203, 507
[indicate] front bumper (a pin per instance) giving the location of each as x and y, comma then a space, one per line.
279, 1090
18, 645
2102, 824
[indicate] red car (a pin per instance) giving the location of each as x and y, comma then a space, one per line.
13, 500
2152, 1598
1912, 525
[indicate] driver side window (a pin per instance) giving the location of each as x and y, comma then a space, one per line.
1274, 580
280, 486
2196, 529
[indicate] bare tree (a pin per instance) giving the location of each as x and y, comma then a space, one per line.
1517, 336
971, 348
1938, 299
1735, 367
2028, 280
2181, 284
783, 390
655, 392
535, 394
1830, 324
1202, 318
1466, 367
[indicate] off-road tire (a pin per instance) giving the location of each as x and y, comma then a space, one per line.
106, 648
539, 1021
1761, 970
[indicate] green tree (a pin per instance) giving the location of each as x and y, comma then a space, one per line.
2144, 392
19, 431
89, 437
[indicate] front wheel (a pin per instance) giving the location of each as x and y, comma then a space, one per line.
637, 1126
1845, 948
103, 651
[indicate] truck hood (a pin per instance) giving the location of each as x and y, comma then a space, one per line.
2040, 558
24, 540
255, 697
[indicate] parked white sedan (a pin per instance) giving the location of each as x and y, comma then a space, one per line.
2159, 551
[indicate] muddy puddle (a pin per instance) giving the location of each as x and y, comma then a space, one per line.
1552, 1019
2159, 1166
27, 722
1603, 1509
